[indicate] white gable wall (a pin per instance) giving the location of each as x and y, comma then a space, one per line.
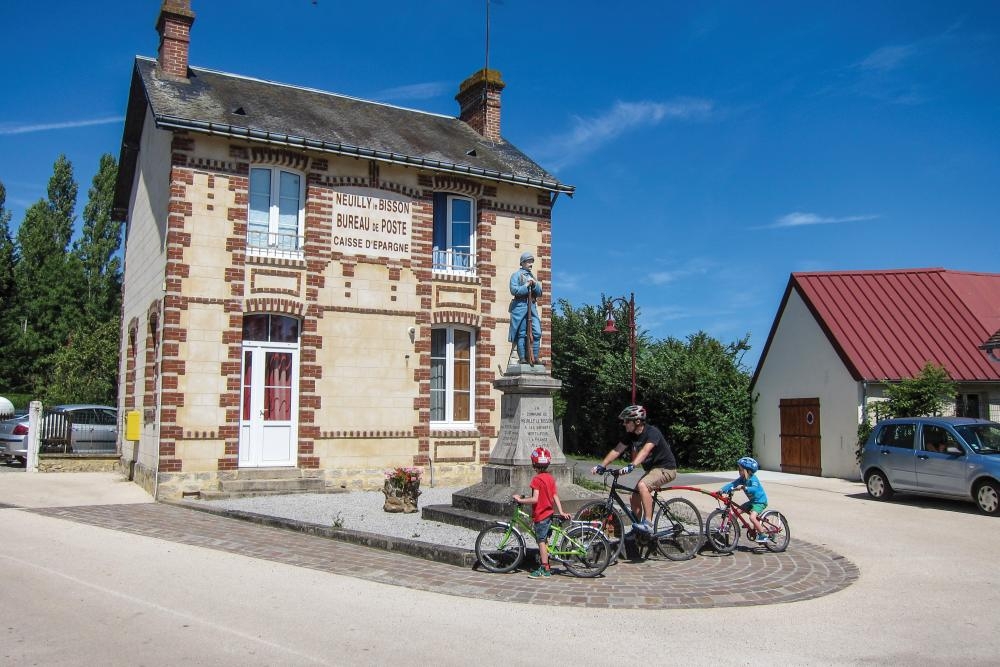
801, 363
145, 266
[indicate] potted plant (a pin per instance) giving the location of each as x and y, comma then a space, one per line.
402, 486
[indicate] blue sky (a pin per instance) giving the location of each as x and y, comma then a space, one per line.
715, 147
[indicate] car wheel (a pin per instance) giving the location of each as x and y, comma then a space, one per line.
878, 486
988, 498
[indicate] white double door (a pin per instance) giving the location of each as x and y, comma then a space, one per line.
270, 405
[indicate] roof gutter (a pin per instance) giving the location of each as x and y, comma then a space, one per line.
235, 132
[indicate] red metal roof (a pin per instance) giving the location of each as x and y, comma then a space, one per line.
889, 324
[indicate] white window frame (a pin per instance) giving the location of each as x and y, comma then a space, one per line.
449, 420
449, 263
275, 246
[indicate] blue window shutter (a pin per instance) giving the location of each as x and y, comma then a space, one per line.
440, 220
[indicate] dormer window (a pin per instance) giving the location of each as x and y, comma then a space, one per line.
454, 234
276, 212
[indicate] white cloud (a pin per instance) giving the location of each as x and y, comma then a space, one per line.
589, 134
886, 58
800, 219
15, 128
694, 267
415, 91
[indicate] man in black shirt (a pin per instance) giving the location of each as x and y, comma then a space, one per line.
651, 450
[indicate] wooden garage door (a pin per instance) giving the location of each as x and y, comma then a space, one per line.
800, 444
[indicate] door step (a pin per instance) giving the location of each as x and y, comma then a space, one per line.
255, 482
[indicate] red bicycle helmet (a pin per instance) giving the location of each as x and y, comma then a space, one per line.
541, 456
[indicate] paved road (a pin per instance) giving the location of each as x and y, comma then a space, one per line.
77, 593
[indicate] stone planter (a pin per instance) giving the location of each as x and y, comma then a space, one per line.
401, 498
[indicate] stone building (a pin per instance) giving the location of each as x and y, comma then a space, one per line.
315, 285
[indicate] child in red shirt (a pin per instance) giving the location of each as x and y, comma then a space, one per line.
543, 495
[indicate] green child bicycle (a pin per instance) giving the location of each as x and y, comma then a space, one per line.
582, 548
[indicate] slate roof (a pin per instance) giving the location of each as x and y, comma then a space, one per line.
253, 109
886, 325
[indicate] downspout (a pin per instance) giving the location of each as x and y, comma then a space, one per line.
864, 401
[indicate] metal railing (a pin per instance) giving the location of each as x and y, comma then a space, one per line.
274, 244
453, 261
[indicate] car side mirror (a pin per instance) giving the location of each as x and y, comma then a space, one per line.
954, 450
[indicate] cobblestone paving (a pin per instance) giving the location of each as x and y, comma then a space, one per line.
748, 577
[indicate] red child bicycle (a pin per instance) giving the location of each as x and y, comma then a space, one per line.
723, 526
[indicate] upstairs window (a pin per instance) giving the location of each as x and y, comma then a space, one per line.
275, 219
454, 234
452, 352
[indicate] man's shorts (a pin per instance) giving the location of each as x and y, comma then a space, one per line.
753, 507
658, 477
542, 529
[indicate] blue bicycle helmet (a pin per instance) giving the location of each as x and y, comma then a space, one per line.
749, 463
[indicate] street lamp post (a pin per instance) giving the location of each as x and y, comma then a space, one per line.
610, 327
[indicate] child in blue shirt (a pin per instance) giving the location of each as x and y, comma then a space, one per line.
757, 499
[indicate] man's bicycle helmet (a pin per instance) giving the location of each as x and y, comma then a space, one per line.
749, 463
541, 456
632, 413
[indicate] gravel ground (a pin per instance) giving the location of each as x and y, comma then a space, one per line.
360, 510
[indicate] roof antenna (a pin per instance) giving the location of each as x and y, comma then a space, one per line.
487, 35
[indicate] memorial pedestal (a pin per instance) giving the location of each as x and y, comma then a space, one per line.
526, 422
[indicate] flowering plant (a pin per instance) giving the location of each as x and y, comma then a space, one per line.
398, 477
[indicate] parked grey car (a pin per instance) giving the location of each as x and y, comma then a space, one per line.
81, 428
13, 434
949, 457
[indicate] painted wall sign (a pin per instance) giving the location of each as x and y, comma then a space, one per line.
371, 222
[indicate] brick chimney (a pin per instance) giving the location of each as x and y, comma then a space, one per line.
174, 26
479, 99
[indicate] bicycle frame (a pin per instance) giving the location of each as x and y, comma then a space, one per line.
520, 521
615, 498
677, 538
735, 510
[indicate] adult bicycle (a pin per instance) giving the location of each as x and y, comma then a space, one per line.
676, 524
724, 526
581, 547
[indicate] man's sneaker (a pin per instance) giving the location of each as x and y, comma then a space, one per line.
642, 526
540, 573
762, 538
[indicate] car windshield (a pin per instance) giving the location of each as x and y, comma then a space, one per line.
983, 438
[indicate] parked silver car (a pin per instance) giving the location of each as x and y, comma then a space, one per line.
950, 457
79, 428
13, 436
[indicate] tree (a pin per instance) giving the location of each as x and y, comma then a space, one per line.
86, 370
8, 253
580, 354
47, 278
99, 244
8, 262
697, 391
702, 399
921, 396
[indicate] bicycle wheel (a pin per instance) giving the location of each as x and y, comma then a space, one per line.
722, 532
610, 521
499, 548
677, 529
778, 533
585, 551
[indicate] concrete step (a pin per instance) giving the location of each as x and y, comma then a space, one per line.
229, 495
457, 516
300, 485
268, 473
476, 520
